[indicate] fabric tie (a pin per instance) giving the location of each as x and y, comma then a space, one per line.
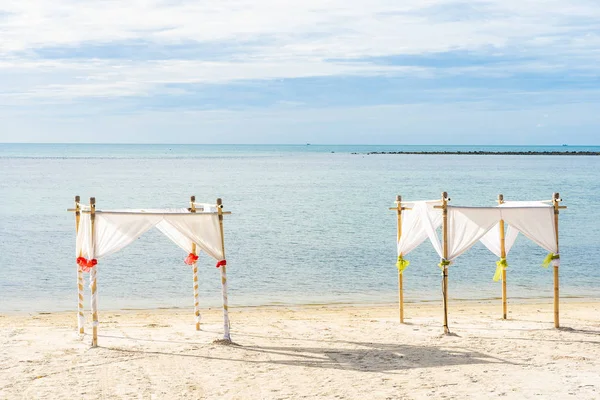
444, 263
401, 264
550, 258
221, 263
191, 259
501, 265
86, 265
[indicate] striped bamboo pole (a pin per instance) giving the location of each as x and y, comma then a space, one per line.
445, 252
555, 203
195, 272
93, 282
226, 333
400, 275
503, 255
80, 293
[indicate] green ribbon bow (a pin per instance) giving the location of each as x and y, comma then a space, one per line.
443, 263
549, 258
401, 264
501, 265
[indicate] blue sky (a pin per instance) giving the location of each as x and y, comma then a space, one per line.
382, 71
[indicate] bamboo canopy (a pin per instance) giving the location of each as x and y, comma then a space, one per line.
461, 227
103, 232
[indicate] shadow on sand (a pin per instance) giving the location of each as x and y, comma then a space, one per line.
352, 356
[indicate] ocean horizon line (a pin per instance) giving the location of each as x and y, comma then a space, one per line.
298, 144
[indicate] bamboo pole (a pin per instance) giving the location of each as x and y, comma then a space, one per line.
195, 271
80, 311
226, 333
503, 255
555, 202
445, 252
149, 213
400, 274
93, 282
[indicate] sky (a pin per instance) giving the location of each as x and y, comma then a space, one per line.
318, 71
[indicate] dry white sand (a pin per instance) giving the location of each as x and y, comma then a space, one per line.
353, 352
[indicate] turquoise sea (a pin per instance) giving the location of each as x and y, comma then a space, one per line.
310, 223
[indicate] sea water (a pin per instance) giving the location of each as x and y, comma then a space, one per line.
309, 224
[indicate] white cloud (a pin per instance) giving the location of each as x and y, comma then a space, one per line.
279, 39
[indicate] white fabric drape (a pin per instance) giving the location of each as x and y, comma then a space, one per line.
430, 224
491, 240
414, 230
202, 229
114, 230
172, 233
466, 225
535, 222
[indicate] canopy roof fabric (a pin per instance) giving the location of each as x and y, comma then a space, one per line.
115, 229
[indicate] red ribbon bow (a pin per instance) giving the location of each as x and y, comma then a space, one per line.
191, 259
221, 263
86, 265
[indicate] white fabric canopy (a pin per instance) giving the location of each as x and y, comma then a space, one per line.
467, 225
115, 229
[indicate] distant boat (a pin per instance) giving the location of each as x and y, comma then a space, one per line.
308, 144
565, 144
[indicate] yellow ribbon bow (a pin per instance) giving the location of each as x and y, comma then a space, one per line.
443, 263
401, 264
501, 265
549, 258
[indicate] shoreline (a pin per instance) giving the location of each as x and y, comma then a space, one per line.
484, 302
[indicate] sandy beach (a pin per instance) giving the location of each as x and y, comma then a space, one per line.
337, 352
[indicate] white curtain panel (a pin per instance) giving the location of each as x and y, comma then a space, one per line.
414, 230
535, 220
176, 237
536, 223
112, 233
429, 219
491, 240
200, 228
466, 225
